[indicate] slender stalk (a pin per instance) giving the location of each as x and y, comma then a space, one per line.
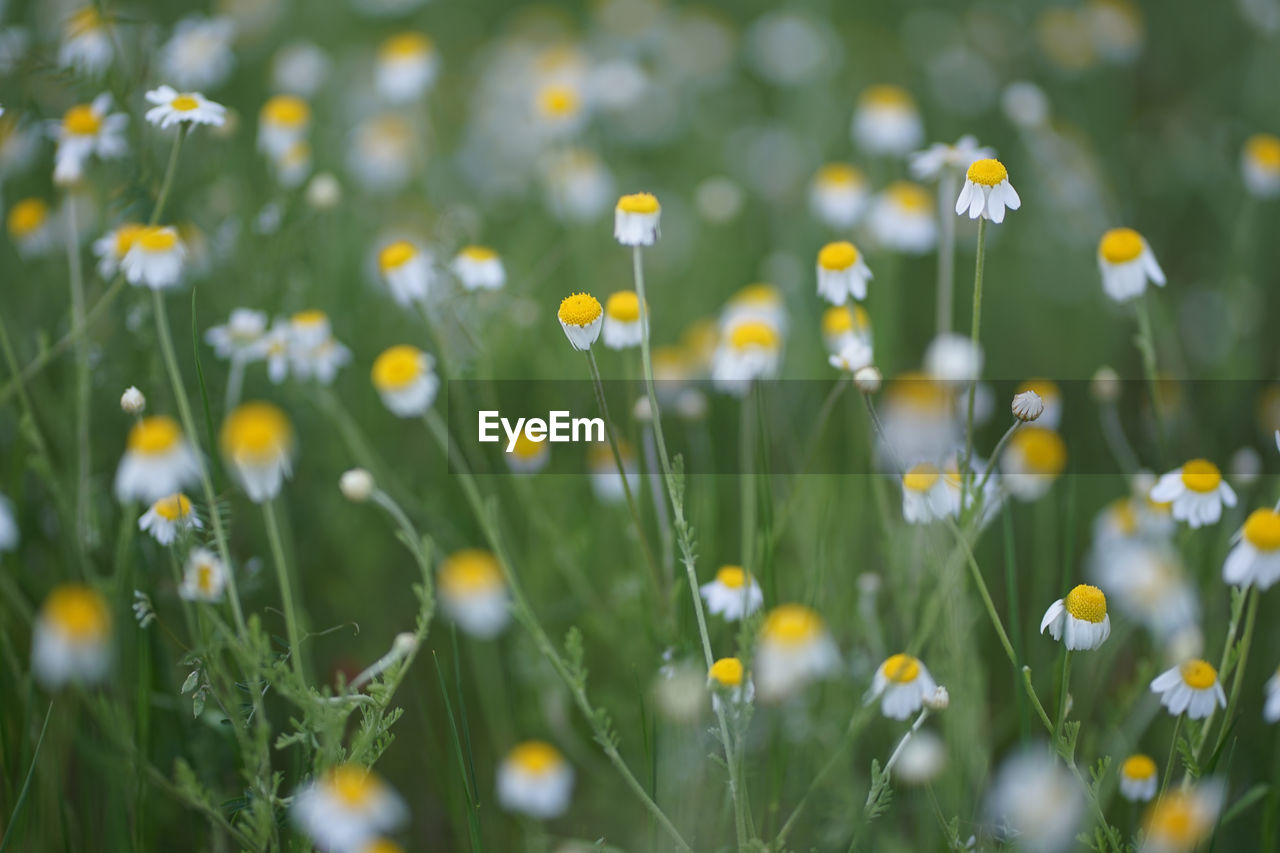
286, 587
902, 744
856, 722
747, 480
83, 465
1147, 346
1168, 764
170, 170
1062, 697
1232, 628
26, 783
1242, 660
235, 381
974, 337
946, 251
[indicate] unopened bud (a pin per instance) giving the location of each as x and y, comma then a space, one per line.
132, 401
867, 379
356, 485
1105, 385
1027, 406
324, 192
939, 701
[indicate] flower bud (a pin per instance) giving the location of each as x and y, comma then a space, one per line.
132, 401
867, 379
1027, 406
1105, 385
356, 485
939, 701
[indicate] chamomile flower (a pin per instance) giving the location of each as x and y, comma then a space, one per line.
405, 379
1080, 620
842, 273
31, 227
606, 482
902, 219
158, 461
793, 649
87, 130
346, 807
86, 42
174, 107
1256, 557
758, 301
1027, 406
204, 578
902, 683
1260, 165
1035, 800
155, 257
842, 324
535, 780
928, 164
283, 121
1271, 707
313, 351
1127, 263
407, 271
241, 338
1180, 820
1192, 686
1197, 492
72, 638
300, 68
854, 357
528, 456
382, 150
257, 442
838, 196
577, 184
407, 67
581, 317
751, 350
1050, 399
924, 495
1032, 460
727, 677
169, 516
474, 593
733, 594
198, 55
887, 121
479, 268
560, 109
953, 358
635, 219
987, 191
622, 327
1138, 778
111, 247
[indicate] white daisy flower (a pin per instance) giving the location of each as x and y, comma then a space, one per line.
283, 122
758, 301
534, 780
299, 68
1127, 263
560, 110
169, 516
347, 807
987, 191
854, 356
1080, 620
1192, 687
205, 577
528, 456
257, 442
313, 351
158, 461
635, 219
952, 357
1036, 801
842, 273
1256, 557
903, 219
581, 317
1197, 492
728, 679
242, 338
174, 107
838, 196
793, 649
751, 350
72, 638
382, 151
155, 257
407, 271
1032, 460
275, 348
842, 324
474, 593
1138, 778
577, 184
407, 67
86, 42
31, 227
622, 327
87, 130
902, 683
1260, 165
111, 247
887, 122
198, 55
1271, 707
1180, 820
924, 495
405, 379
479, 268
733, 594
928, 164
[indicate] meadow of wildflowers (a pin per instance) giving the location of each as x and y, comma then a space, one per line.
900, 476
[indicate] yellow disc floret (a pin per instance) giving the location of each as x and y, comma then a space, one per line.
838, 256
726, 672
910, 197
397, 367
156, 238
841, 174
27, 216
920, 478
353, 785
1264, 150
901, 669
886, 96
1199, 674
256, 432
558, 100
623, 306
81, 120
406, 46
791, 624
1043, 450
478, 254
1087, 603
470, 571
184, 103
536, 757
1262, 529
173, 507
734, 577
753, 334
644, 203
579, 309
1120, 245
77, 612
988, 172
1138, 767
1201, 475
156, 434
287, 111
395, 255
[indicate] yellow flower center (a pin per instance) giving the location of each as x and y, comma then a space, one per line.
623, 306
256, 432
184, 103
646, 203
173, 507
753, 333
382, 845
1043, 450
1120, 245
1201, 475
1138, 767
792, 624
470, 571
204, 578
910, 197
77, 612
760, 293
727, 672
395, 255
1047, 389
734, 577
840, 174
156, 434
156, 238
579, 309
920, 478
1264, 150
310, 317
558, 101
81, 120
27, 216
886, 96
126, 236
1199, 674
536, 757
397, 367
287, 111
528, 448
354, 786
478, 254
837, 320
83, 21
1262, 529
837, 256
901, 669
1125, 516
988, 172
1087, 603
406, 46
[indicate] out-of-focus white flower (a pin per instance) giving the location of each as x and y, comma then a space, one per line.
381, 154
751, 350
205, 577
793, 649
114, 245
922, 759
86, 42
1180, 820
1025, 104
299, 68
87, 130
622, 326
347, 807
902, 684
1255, 559
174, 107
843, 323
528, 456
635, 220
241, 337
535, 780
928, 164
155, 257
32, 227
474, 592
839, 196
924, 495
1271, 708
903, 219
356, 485
313, 351
1080, 620
1245, 467
853, 356
842, 273
407, 271
1192, 686
8, 525
987, 191
1196, 491
1032, 460
258, 444
198, 55
407, 67
578, 185
606, 482
887, 121
1126, 263
158, 461
718, 199
952, 357
733, 594
169, 516
1260, 165
479, 268
405, 379
72, 638
282, 123
324, 192
1035, 800
1138, 778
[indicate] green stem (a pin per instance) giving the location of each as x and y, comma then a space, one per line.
974, 337
946, 252
26, 783
1147, 346
286, 588
170, 170
83, 463
1237, 678
1062, 697
1168, 764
